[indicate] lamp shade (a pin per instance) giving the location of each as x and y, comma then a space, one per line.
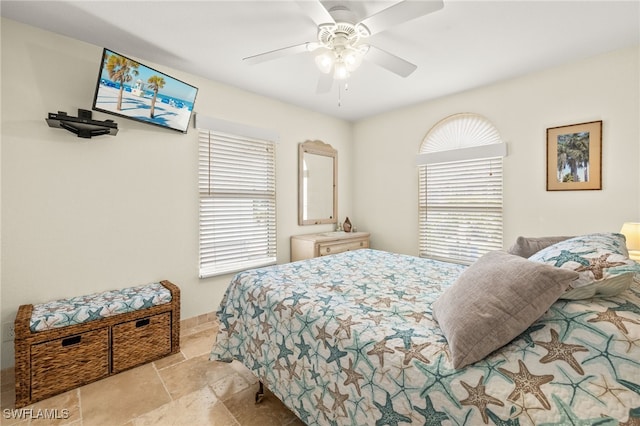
631, 231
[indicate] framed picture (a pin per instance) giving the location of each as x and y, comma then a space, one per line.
574, 157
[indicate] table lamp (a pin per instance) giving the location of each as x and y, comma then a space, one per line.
631, 230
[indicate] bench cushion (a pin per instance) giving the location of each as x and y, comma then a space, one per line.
81, 309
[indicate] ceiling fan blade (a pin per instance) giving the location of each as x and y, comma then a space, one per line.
325, 83
400, 12
316, 11
390, 61
279, 53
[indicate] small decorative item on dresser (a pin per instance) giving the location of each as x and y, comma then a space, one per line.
346, 226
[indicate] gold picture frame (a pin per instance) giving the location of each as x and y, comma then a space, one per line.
574, 157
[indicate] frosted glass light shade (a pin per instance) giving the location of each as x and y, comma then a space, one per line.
631, 231
341, 72
325, 61
353, 59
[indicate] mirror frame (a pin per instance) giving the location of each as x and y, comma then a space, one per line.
316, 147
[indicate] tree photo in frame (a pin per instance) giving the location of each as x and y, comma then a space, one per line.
574, 157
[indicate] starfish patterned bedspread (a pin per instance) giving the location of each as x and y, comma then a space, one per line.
349, 339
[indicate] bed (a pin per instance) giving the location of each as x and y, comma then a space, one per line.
350, 339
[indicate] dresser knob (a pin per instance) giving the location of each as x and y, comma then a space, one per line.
328, 249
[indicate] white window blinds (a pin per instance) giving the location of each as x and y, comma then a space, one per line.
236, 177
460, 209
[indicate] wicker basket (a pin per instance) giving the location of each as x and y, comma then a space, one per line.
57, 360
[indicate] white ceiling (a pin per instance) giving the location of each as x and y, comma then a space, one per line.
466, 44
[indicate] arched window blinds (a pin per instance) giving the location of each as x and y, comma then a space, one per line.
460, 189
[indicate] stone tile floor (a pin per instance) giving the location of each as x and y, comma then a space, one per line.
182, 389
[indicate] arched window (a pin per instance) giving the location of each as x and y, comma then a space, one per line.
460, 199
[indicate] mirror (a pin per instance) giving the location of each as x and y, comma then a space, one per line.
317, 183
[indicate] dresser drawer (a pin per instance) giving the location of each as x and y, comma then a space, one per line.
69, 362
139, 341
333, 248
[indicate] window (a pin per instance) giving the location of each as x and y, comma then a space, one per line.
460, 189
237, 202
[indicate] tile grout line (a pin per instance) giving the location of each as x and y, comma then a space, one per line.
80, 406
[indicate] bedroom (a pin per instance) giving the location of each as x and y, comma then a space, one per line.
118, 211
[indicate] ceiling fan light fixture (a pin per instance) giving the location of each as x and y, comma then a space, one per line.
353, 57
325, 61
341, 71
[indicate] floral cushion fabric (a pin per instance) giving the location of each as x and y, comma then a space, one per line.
601, 259
81, 309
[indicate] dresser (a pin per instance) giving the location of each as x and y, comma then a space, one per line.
308, 246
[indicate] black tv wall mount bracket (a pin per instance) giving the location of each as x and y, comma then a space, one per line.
82, 125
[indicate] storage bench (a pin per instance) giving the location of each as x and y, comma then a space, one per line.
67, 343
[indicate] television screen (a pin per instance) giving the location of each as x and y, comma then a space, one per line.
132, 90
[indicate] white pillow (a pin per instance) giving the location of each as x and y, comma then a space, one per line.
602, 260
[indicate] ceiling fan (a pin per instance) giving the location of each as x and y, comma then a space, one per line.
341, 43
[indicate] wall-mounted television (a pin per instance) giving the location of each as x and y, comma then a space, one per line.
129, 89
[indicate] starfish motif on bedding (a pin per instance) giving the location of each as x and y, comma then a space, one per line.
303, 348
302, 413
606, 388
291, 368
569, 417
598, 264
279, 368
479, 398
557, 350
417, 316
231, 330
251, 298
257, 343
257, 311
405, 335
295, 309
224, 316
389, 417
611, 316
320, 405
335, 354
352, 377
525, 382
266, 327
280, 306
414, 352
284, 351
629, 341
627, 306
375, 318
380, 349
323, 335
345, 325
431, 416
567, 256
338, 399
262, 295
386, 301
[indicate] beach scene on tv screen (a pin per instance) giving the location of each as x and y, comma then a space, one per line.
128, 88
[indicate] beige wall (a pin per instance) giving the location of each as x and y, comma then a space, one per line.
81, 216
603, 88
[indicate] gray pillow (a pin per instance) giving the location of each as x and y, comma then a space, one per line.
527, 246
494, 301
